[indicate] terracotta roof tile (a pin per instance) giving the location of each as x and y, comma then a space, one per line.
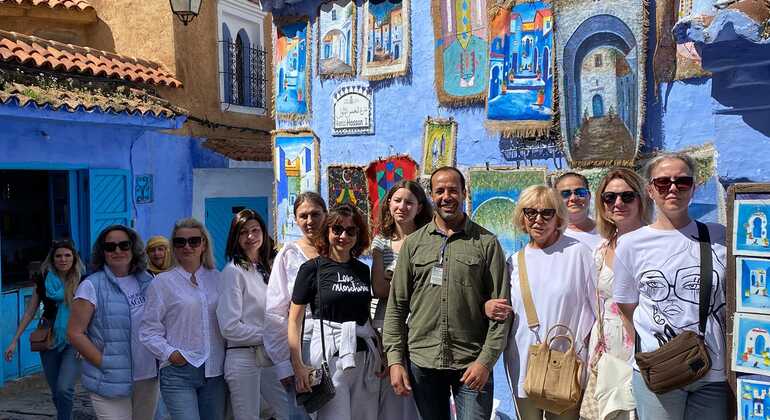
43, 53
77, 5
257, 149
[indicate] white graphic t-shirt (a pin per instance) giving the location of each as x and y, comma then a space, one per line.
660, 269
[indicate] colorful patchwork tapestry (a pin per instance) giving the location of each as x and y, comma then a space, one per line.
439, 144
601, 80
688, 61
291, 81
387, 39
381, 175
459, 28
337, 34
520, 100
347, 184
295, 162
493, 197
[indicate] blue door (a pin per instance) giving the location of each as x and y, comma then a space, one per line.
29, 362
598, 106
9, 319
109, 200
219, 214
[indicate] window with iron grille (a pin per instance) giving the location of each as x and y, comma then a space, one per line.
243, 71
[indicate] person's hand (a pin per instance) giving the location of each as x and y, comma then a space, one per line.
476, 376
287, 381
399, 380
10, 350
497, 309
177, 359
301, 378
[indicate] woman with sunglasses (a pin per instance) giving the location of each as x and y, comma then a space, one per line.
576, 194
61, 272
180, 327
337, 287
407, 210
309, 214
657, 285
241, 316
623, 207
117, 369
561, 276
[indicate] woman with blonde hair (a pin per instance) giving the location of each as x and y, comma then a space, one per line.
180, 327
55, 287
561, 277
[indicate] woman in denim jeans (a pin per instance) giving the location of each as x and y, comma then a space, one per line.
61, 270
180, 327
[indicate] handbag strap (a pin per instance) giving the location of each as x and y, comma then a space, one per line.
526, 295
706, 274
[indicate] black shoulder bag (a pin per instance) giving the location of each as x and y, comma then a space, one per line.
684, 358
323, 391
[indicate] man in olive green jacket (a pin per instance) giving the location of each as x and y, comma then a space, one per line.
445, 273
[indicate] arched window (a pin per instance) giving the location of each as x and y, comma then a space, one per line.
227, 64
240, 91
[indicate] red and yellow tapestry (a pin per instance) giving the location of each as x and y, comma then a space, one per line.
381, 175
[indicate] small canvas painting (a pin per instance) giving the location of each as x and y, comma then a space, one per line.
337, 39
751, 285
387, 39
292, 70
439, 144
751, 343
347, 184
295, 162
753, 399
750, 227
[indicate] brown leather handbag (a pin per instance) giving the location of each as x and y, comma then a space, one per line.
42, 338
684, 358
552, 382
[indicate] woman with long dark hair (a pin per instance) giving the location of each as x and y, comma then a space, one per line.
61, 272
241, 316
109, 305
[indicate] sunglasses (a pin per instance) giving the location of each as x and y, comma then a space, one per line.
194, 241
625, 196
663, 183
580, 192
350, 230
531, 214
112, 246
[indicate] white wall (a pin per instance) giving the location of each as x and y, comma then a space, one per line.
232, 182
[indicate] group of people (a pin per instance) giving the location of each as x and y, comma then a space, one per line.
152, 325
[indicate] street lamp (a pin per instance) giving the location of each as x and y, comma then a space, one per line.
185, 10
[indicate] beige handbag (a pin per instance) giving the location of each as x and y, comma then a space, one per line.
552, 382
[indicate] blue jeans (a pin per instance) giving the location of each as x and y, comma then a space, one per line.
190, 395
431, 389
61, 369
697, 401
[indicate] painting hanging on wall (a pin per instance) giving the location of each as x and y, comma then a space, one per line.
750, 227
753, 399
291, 78
347, 184
459, 28
751, 291
439, 144
387, 39
601, 80
520, 97
295, 163
751, 344
337, 36
382, 175
492, 200
688, 60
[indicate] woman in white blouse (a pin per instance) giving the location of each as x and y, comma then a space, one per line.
180, 327
309, 214
241, 315
561, 275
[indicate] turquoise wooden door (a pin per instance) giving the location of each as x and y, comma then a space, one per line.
109, 200
29, 362
9, 319
219, 214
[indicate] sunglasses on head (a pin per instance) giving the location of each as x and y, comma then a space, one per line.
625, 196
581, 192
546, 214
350, 230
194, 241
663, 183
112, 246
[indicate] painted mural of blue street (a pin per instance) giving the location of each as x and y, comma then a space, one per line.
291, 70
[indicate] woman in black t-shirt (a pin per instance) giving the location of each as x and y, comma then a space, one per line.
338, 288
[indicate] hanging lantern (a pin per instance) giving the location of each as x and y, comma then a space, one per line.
185, 10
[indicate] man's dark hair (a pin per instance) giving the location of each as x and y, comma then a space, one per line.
448, 168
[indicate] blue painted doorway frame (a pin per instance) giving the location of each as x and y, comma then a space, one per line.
219, 214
